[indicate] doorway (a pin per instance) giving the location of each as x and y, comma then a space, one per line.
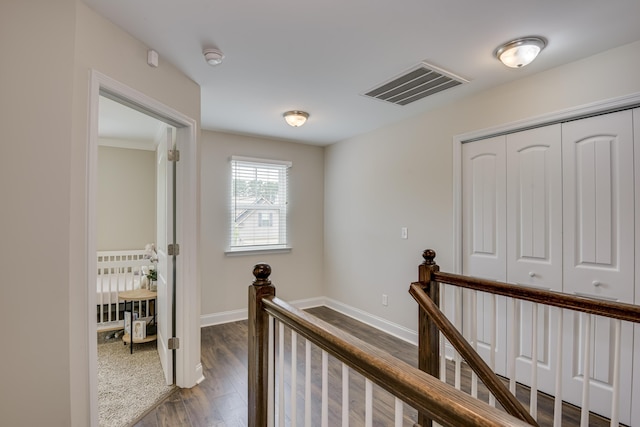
187, 369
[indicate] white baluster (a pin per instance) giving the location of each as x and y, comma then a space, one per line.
307, 384
533, 396
294, 377
325, 389
586, 368
281, 414
270, 374
615, 384
368, 403
443, 352
474, 339
458, 323
398, 412
557, 403
494, 334
345, 395
515, 325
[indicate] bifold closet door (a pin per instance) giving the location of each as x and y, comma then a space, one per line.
598, 211
484, 242
534, 249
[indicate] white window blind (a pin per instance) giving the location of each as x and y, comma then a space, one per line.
258, 204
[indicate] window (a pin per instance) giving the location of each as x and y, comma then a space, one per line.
258, 204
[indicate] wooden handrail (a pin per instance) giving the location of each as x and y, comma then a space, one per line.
443, 403
473, 359
611, 309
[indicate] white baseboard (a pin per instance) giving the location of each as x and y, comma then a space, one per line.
384, 325
242, 314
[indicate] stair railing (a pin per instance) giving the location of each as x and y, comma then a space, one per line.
432, 322
430, 396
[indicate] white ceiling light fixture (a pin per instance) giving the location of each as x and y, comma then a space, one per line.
520, 52
296, 118
213, 56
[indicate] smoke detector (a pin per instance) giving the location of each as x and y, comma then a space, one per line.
213, 56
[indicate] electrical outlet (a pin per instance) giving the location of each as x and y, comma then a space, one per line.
385, 300
404, 233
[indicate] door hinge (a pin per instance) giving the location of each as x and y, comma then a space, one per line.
173, 343
173, 249
174, 156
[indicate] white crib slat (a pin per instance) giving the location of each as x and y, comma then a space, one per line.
345, 395
615, 396
294, 377
368, 403
533, 396
325, 389
280, 372
586, 364
307, 384
270, 375
557, 404
399, 413
515, 325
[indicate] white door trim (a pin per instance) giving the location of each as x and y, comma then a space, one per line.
608, 105
188, 364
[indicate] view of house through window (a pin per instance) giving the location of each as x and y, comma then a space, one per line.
258, 203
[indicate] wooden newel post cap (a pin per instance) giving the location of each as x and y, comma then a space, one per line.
262, 273
429, 256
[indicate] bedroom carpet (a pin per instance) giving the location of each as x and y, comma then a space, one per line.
128, 384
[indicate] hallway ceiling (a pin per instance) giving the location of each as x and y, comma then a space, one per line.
321, 57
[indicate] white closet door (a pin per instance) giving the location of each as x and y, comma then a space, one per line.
484, 209
534, 245
484, 241
599, 206
598, 211
534, 208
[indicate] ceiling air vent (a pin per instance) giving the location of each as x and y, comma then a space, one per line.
415, 84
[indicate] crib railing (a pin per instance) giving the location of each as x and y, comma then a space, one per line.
118, 271
268, 404
437, 332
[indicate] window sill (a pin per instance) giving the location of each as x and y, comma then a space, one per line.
256, 251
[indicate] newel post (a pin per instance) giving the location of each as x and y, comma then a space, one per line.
258, 332
428, 334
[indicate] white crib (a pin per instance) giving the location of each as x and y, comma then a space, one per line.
118, 271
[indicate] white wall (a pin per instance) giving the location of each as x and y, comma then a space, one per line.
401, 175
104, 47
296, 275
126, 205
37, 111
47, 50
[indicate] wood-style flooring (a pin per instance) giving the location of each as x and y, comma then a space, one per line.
221, 399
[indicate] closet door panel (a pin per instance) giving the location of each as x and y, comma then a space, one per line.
483, 209
534, 208
484, 243
599, 206
599, 230
534, 246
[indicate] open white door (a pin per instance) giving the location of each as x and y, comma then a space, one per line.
164, 236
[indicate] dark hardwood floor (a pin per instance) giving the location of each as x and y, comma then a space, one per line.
221, 399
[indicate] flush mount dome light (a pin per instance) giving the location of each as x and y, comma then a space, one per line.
520, 52
213, 56
296, 118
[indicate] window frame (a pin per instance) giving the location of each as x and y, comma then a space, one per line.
283, 167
